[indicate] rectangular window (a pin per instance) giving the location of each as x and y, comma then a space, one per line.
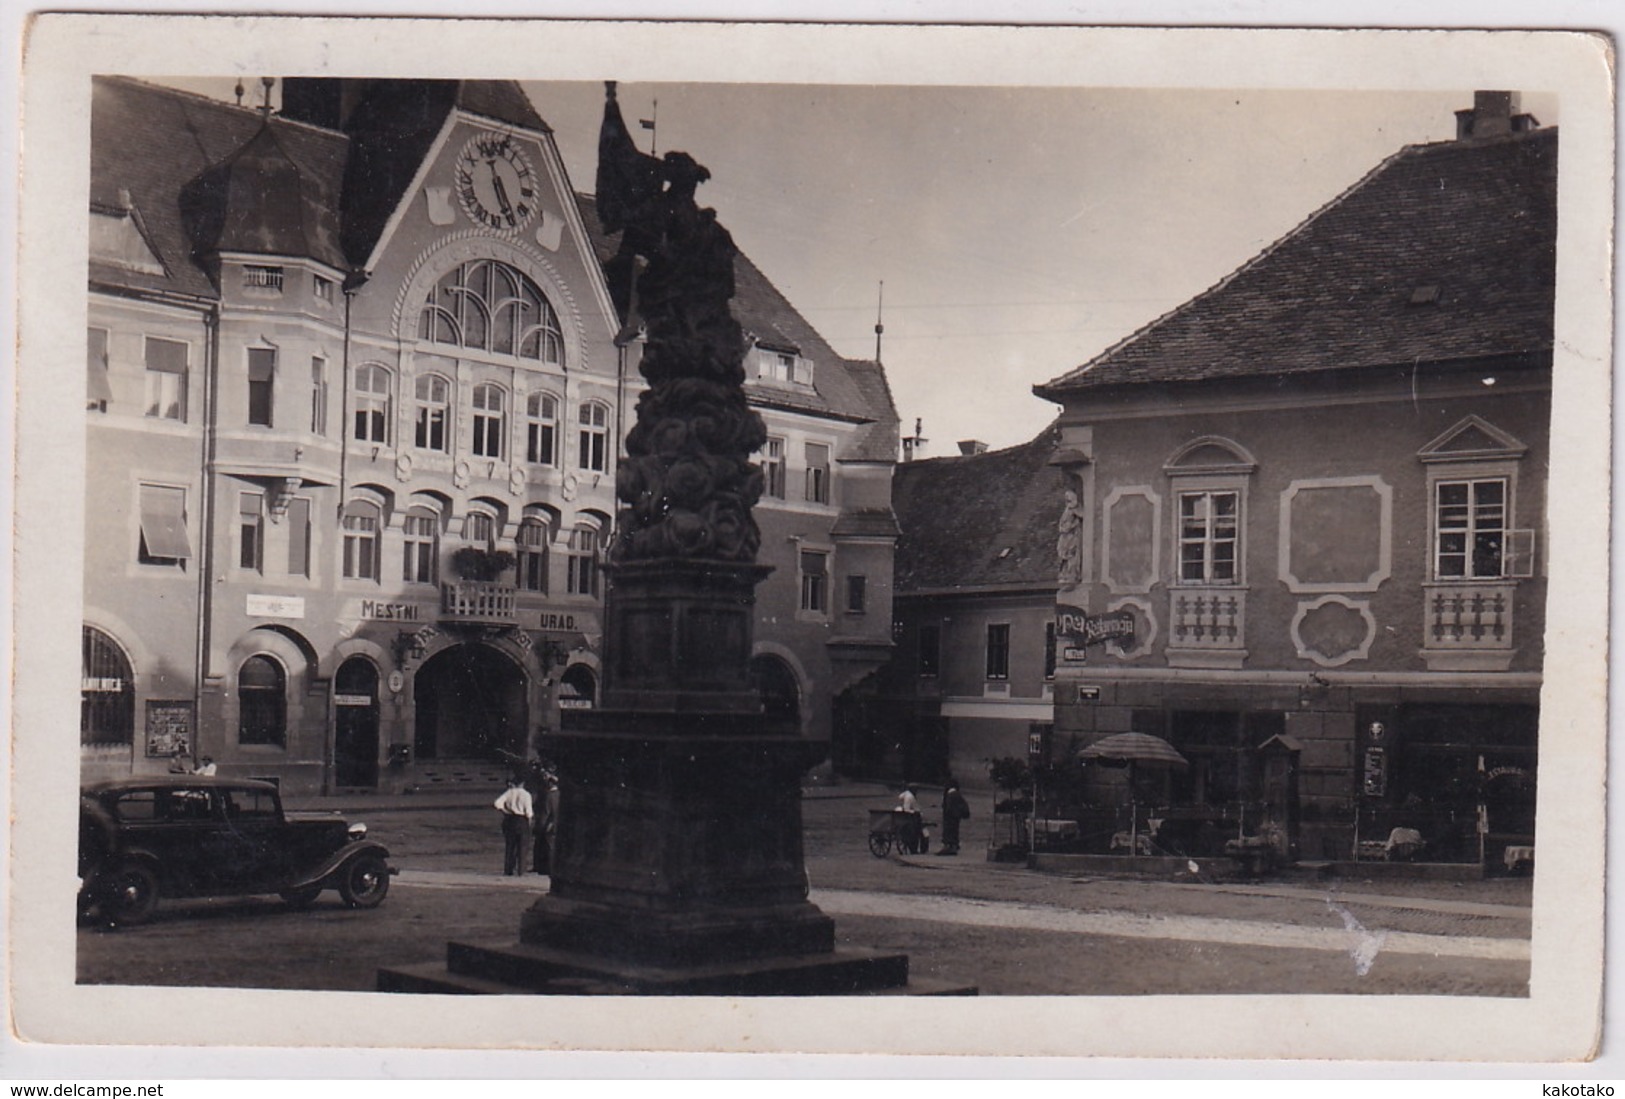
856, 592
818, 473
163, 526
361, 542
251, 531
814, 581
420, 532
166, 378
321, 288
581, 562
533, 540
98, 388
998, 650
299, 537
593, 442
930, 649
318, 395
1470, 518
261, 377
1049, 650
773, 469
1209, 537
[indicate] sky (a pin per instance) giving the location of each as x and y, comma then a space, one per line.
1018, 232
1004, 234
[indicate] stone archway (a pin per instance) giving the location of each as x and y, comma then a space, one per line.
471, 703
776, 681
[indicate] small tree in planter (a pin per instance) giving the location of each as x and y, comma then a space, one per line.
1013, 779
473, 563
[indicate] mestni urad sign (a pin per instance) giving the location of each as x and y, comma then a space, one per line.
1077, 629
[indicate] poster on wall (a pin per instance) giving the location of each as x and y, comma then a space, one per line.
169, 727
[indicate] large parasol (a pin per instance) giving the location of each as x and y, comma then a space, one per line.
1134, 750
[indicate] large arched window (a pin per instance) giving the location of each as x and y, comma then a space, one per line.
106, 691
433, 412
262, 702
492, 306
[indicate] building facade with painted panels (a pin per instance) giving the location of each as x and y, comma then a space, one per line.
974, 617
1319, 491
355, 394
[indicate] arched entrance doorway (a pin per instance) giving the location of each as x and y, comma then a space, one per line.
776, 682
355, 724
470, 704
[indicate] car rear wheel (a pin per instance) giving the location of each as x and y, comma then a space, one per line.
364, 882
301, 898
130, 895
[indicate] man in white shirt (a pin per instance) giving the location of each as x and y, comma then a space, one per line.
913, 832
517, 810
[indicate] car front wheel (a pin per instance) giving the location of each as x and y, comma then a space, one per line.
364, 882
130, 895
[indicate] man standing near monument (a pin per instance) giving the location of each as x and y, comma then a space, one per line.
517, 810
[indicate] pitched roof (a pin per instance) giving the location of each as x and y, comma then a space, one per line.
1443, 252
846, 388
148, 142
979, 521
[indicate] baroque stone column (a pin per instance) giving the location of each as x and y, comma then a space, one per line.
679, 838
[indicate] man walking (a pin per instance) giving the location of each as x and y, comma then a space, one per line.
517, 810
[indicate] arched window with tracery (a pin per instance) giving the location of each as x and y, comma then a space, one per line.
106, 691
492, 306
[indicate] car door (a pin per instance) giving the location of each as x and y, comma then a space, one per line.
253, 828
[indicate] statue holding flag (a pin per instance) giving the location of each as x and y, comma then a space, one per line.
687, 484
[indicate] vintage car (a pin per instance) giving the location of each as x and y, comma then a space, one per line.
141, 839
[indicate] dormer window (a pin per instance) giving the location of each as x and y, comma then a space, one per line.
781, 366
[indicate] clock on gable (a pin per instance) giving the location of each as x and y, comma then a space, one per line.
496, 185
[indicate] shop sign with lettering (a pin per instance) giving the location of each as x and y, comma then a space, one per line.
376, 610
275, 606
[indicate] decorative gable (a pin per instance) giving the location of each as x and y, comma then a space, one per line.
1471, 440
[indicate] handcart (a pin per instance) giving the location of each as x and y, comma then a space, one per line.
890, 828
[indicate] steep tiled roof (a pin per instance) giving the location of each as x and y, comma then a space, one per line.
149, 142
1443, 252
850, 389
979, 521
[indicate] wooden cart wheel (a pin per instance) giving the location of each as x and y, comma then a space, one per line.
879, 844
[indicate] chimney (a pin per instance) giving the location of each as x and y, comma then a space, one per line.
972, 446
1493, 114
913, 444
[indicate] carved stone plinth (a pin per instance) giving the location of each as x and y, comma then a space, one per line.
679, 840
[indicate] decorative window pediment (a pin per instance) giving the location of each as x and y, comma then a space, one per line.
1472, 440
1210, 454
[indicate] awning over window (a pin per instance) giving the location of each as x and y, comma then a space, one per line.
163, 522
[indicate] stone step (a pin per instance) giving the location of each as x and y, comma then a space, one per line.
508, 968
435, 979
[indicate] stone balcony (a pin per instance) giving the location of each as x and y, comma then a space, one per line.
479, 602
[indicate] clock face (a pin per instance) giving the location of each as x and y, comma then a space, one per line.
496, 185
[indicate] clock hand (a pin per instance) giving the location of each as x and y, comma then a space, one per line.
502, 197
